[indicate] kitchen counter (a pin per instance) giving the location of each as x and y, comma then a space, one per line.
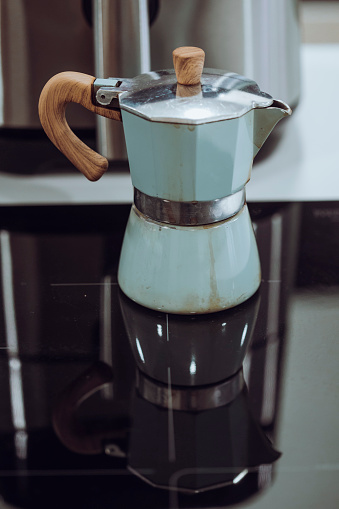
303, 166
264, 436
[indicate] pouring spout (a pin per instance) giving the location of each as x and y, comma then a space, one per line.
265, 119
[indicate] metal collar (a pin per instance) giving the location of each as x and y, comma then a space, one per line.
192, 213
190, 399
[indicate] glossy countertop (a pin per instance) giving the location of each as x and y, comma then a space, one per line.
106, 404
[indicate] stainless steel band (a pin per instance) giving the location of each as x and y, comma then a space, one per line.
194, 213
190, 399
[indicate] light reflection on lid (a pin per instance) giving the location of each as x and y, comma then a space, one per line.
221, 96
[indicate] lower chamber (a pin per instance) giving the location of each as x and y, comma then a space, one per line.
189, 269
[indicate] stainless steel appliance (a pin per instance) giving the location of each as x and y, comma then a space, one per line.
38, 39
257, 38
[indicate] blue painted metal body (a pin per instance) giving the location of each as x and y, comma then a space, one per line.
193, 269
189, 269
189, 162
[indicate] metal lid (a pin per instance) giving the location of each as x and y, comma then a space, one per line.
158, 97
184, 94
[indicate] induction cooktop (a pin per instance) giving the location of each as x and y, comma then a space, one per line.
106, 404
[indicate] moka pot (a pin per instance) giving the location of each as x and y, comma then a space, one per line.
191, 137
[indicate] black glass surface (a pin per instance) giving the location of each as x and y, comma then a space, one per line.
105, 404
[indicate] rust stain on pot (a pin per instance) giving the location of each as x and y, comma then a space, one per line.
215, 305
191, 128
214, 299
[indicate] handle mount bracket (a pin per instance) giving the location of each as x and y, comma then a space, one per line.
106, 91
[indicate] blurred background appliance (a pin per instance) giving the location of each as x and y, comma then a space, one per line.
256, 38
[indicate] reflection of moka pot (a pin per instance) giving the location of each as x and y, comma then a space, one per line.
192, 426
191, 138
201, 350
196, 439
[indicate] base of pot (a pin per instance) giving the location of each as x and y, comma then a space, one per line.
189, 269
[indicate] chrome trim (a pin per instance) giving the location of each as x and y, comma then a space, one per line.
190, 399
191, 213
121, 48
155, 96
106, 91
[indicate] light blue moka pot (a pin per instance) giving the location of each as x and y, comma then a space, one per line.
191, 137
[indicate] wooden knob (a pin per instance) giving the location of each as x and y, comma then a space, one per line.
191, 91
188, 64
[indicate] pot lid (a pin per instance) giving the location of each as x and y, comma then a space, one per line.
186, 95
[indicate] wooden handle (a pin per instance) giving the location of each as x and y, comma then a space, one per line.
60, 90
188, 64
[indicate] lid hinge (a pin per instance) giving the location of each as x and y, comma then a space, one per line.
106, 92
